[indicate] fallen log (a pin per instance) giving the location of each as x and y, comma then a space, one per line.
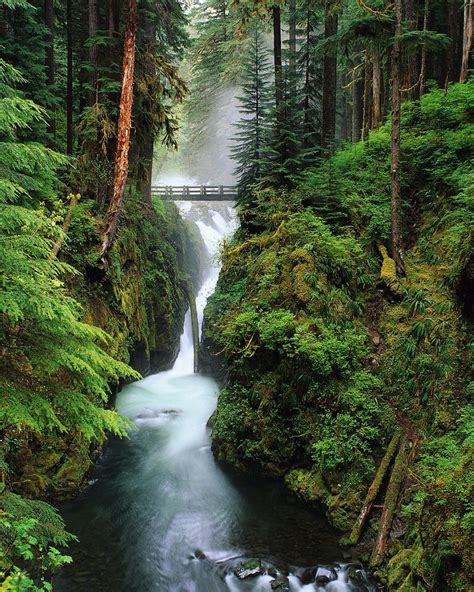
374, 489
390, 503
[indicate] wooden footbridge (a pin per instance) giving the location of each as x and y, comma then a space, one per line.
195, 192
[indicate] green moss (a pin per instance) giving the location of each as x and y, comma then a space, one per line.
307, 484
295, 308
399, 569
343, 509
388, 271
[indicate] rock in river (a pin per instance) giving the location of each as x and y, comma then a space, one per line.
249, 569
324, 575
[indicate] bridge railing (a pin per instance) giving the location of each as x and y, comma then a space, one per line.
195, 192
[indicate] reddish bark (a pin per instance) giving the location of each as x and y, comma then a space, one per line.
123, 129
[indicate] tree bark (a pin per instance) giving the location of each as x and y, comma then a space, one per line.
292, 35
426, 17
357, 100
69, 81
376, 88
390, 502
366, 114
146, 144
276, 18
467, 39
397, 252
306, 106
123, 129
49, 55
93, 50
412, 60
374, 489
329, 80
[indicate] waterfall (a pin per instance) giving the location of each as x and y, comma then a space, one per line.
163, 516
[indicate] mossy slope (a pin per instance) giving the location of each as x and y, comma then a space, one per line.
328, 354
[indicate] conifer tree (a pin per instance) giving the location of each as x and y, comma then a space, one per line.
255, 103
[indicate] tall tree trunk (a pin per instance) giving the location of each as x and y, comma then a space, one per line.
69, 81
357, 100
329, 80
467, 39
412, 69
376, 88
426, 16
307, 59
292, 35
146, 144
276, 18
452, 54
93, 50
366, 113
49, 55
123, 129
345, 114
397, 252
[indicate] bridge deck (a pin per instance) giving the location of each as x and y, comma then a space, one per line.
195, 192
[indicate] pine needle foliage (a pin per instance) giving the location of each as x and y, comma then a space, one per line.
55, 373
254, 108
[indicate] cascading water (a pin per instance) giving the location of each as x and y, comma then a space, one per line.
163, 516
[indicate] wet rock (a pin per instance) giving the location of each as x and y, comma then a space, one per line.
281, 583
151, 414
324, 575
357, 577
307, 576
198, 554
211, 421
249, 569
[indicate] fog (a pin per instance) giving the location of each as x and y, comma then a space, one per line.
211, 164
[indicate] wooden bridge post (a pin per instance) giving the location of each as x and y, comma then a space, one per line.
221, 192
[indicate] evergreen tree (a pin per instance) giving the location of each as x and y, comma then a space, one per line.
255, 103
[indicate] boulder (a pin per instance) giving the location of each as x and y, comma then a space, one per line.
324, 575
249, 569
281, 583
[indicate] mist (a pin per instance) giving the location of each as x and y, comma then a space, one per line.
211, 164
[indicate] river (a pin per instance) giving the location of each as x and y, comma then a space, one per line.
161, 515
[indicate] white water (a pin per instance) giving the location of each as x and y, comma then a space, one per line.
170, 518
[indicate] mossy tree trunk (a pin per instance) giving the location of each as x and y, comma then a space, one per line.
390, 504
374, 490
397, 252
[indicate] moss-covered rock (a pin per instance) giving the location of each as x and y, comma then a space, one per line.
307, 484
343, 509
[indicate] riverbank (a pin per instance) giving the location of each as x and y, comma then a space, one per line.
139, 300
328, 354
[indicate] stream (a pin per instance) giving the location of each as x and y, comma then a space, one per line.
161, 515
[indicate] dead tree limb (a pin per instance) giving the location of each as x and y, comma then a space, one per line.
374, 489
390, 503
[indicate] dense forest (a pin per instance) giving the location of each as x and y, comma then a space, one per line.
340, 331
